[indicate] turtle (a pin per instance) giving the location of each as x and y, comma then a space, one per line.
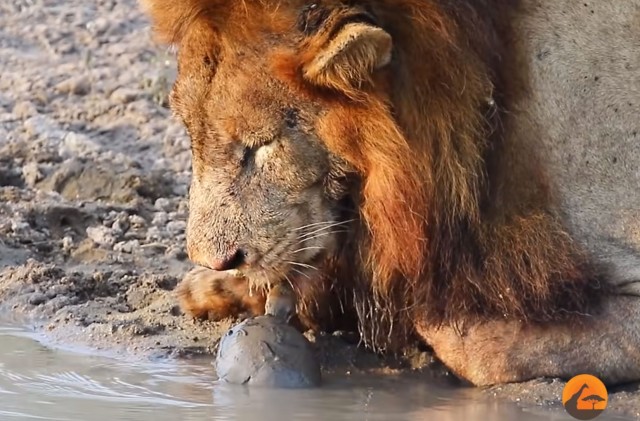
268, 351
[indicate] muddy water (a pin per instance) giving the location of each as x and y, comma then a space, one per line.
43, 383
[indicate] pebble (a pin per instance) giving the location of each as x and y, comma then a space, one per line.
31, 173
67, 243
76, 85
37, 298
160, 218
25, 109
98, 26
176, 227
8, 118
176, 252
44, 127
77, 144
154, 234
19, 226
101, 235
137, 221
163, 204
127, 246
124, 95
121, 225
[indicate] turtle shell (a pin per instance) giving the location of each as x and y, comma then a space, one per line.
267, 351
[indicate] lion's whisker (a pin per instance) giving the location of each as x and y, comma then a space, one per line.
289, 281
319, 234
315, 224
307, 248
323, 234
301, 273
320, 223
323, 228
303, 265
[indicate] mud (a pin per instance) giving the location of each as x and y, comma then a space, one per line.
94, 174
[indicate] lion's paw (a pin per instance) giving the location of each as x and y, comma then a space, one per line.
212, 295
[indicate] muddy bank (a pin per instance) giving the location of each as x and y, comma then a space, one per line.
103, 275
94, 176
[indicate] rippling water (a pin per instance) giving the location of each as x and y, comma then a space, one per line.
40, 383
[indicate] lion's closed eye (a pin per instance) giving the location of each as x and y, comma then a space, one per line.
291, 116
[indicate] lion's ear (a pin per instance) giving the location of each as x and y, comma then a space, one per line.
351, 57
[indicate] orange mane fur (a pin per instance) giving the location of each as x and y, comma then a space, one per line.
455, 228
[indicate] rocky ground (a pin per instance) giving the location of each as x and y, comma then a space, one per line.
94, 175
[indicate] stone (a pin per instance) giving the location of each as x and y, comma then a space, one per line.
31, 174
101, 235
76, 85
124, 95
176, 227
267, 351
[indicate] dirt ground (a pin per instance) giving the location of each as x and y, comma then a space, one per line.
94, 175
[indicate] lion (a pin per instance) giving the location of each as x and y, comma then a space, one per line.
460, 173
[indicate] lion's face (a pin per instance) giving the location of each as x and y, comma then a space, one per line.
269, 195
265, 192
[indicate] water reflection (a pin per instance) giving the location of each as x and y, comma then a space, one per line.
39, 383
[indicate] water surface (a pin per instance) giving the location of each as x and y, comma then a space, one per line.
43, 383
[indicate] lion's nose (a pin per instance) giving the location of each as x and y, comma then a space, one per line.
232, 260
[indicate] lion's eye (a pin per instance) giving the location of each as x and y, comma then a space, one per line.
247, 154
291, 117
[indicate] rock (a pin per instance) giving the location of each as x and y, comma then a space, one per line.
76, 144
124, 95
79, 179
266, 351
127, 246
154, 234
160, 218
43, 127
37, 298
163, 204
76, 85
19, 226
120, 225
31, 174
98, 26
67, 243
137, 221
176, 227
101, 235
25, 109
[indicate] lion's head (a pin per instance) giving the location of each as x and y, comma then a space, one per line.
286, 104
316, 123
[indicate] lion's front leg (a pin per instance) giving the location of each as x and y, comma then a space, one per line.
606, 345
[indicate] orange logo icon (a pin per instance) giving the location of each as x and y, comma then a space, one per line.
585, 397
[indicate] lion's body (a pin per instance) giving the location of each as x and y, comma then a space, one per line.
463, 170
583, 70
